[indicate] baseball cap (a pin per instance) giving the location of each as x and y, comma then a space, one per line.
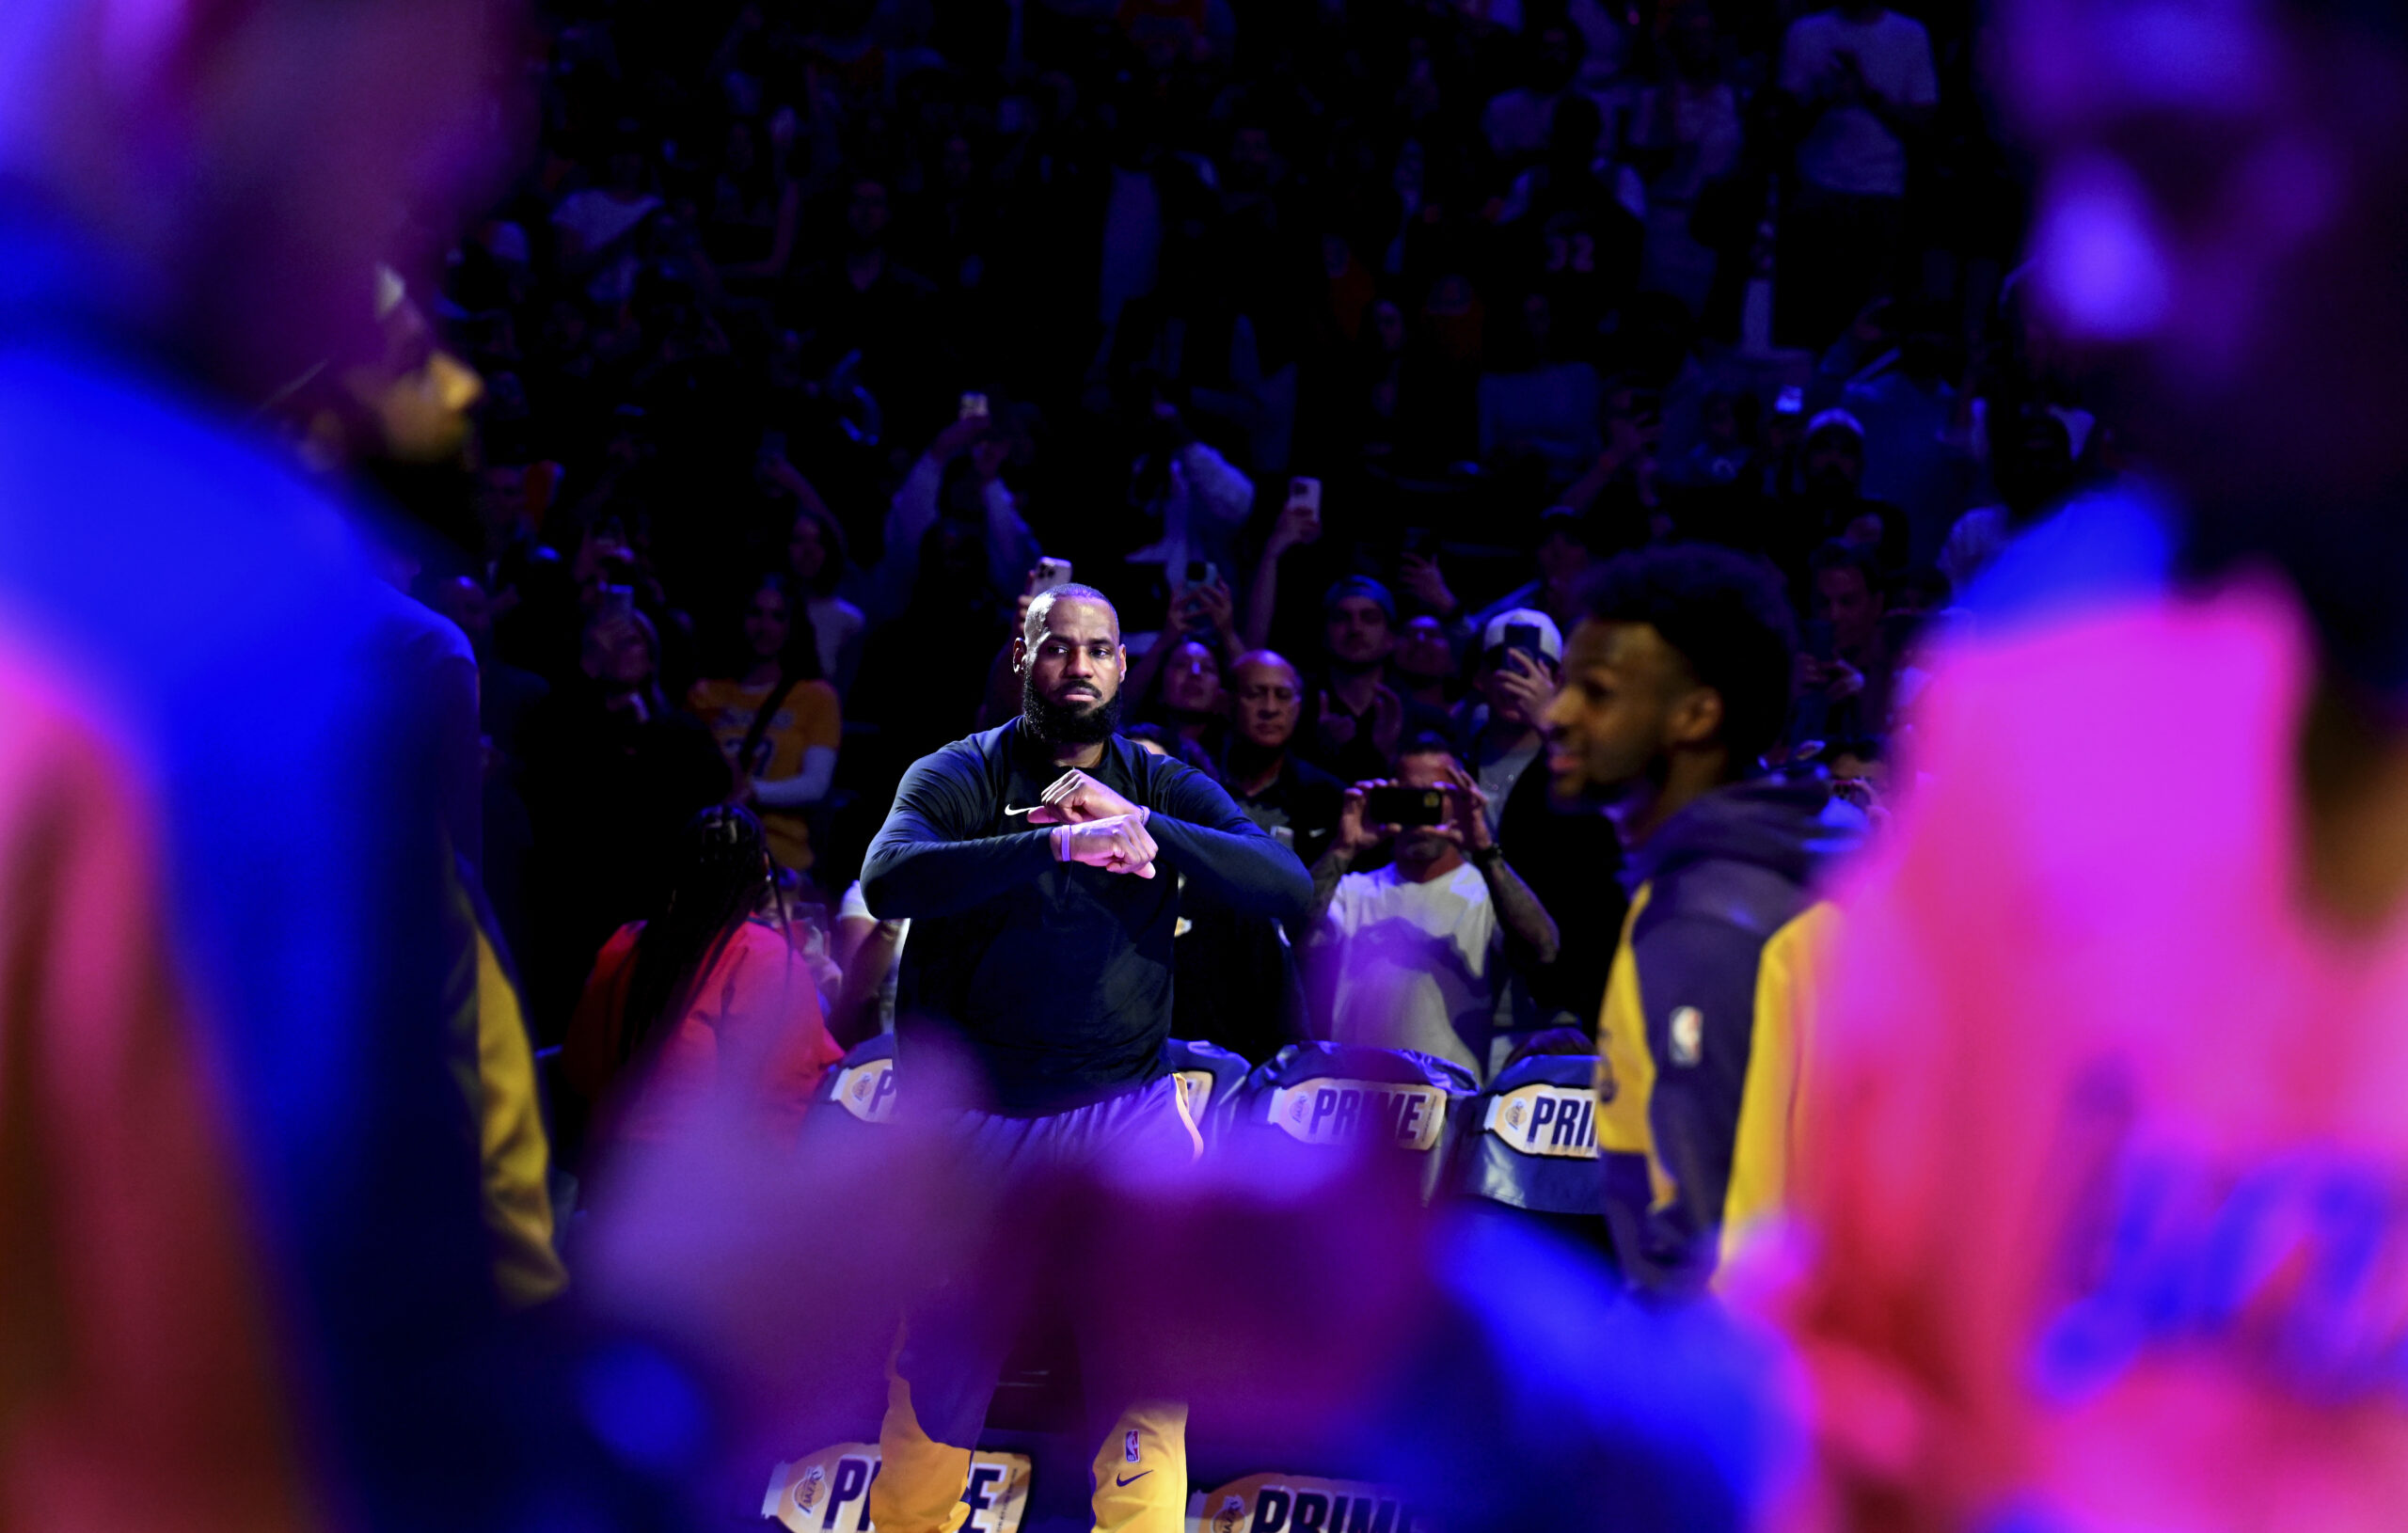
1359, 585
1838, 419
1550, 636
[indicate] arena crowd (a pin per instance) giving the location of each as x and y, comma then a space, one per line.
1336, 348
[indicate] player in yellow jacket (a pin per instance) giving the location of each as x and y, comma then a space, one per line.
1675, 682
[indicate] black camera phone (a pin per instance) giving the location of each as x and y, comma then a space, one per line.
1404, 806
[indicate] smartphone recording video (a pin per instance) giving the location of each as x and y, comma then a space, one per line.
1404, 806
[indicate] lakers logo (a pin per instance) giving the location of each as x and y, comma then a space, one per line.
867, 1090
1232, 1508
807, 1494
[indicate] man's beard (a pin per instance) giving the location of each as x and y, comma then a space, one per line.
1064, 724
1421, 848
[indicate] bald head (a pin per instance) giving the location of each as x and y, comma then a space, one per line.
1266, 697
1041, 610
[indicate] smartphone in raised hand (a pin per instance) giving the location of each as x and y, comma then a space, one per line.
1305, 494
1047, 574
1404, 806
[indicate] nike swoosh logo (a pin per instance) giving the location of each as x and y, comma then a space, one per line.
1030, 810
1133, 1480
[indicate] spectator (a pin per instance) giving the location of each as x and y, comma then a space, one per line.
702, 998
598, 233
779, 722
1567, 854
1517, 122
1196, 495
1862, 78
958, 480
2033, 472
505, 693
1909, 408
1297, 526
1726, 444
507, 697
1193, 701
1563, 562
1521, 653
1358, 719
869, 954
1825, 503
815, 559
1179, 678
1416, 952
1291, 798
863, 313
611, 774
1845, 676
1676, 684
1423, 671
1162, 740
1689, 134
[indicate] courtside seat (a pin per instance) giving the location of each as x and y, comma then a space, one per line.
1212, 1078
1528, 1143
1340, 1095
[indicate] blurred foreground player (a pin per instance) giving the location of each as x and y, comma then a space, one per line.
2106, 1186
244, 1279
1039, 863
1675, 684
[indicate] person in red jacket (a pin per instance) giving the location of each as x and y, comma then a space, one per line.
705, 997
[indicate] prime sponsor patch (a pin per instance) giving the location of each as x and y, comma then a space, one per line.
1276, 1502
1334, 1112
828, 1491
1545, 1120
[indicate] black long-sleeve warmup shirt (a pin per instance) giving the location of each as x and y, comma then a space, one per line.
1056, 975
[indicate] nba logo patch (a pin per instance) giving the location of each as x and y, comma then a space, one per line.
1689, 1035
1129, 1445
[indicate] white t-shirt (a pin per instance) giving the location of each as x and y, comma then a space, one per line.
1848, 149
1413, 963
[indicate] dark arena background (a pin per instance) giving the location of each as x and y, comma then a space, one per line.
1203, 765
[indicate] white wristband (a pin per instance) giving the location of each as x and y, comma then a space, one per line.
1061, 844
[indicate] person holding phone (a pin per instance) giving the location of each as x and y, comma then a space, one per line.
1569, 854
1411, 955
1863, 79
